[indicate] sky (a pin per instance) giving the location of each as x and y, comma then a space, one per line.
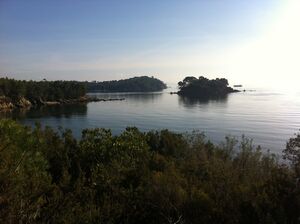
254, 43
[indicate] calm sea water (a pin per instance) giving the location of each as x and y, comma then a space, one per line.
270, 118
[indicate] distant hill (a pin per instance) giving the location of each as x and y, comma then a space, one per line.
203, 87
136, 84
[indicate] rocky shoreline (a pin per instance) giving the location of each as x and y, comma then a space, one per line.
7, 104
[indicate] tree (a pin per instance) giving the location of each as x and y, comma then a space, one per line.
292, 153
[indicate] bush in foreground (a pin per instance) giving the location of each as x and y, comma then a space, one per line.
154, 177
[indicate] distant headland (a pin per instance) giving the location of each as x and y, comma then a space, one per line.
24, 94
135, 84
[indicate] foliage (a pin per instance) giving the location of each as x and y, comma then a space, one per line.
203, 87
153, 177
42, 90
136, 84
292, 153
38, 91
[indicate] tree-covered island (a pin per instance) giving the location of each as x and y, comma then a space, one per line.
135, 84
204, 88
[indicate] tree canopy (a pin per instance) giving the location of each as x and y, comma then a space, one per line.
45, 90
202, 87
136, 84
135, 177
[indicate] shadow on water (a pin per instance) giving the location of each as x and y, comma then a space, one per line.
191, 102
57, 111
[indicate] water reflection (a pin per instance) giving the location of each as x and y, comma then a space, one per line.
144, 97
270, 119
57, 111
134, 96
192, 102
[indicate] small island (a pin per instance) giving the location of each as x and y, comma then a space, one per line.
135, 84
204, 88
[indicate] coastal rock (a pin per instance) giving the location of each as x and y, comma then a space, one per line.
23, 103
51, 103
83, 99
5, 103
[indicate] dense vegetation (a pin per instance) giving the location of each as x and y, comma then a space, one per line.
23, 94
42, 90
203, 87
136, 84
154, 177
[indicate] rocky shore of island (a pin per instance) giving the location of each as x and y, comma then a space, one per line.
7, 103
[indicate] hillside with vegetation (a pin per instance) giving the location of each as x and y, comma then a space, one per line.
136, 84
204, 88
136, 177
21, 93
24, 94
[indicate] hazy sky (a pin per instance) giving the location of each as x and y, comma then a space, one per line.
255, 43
